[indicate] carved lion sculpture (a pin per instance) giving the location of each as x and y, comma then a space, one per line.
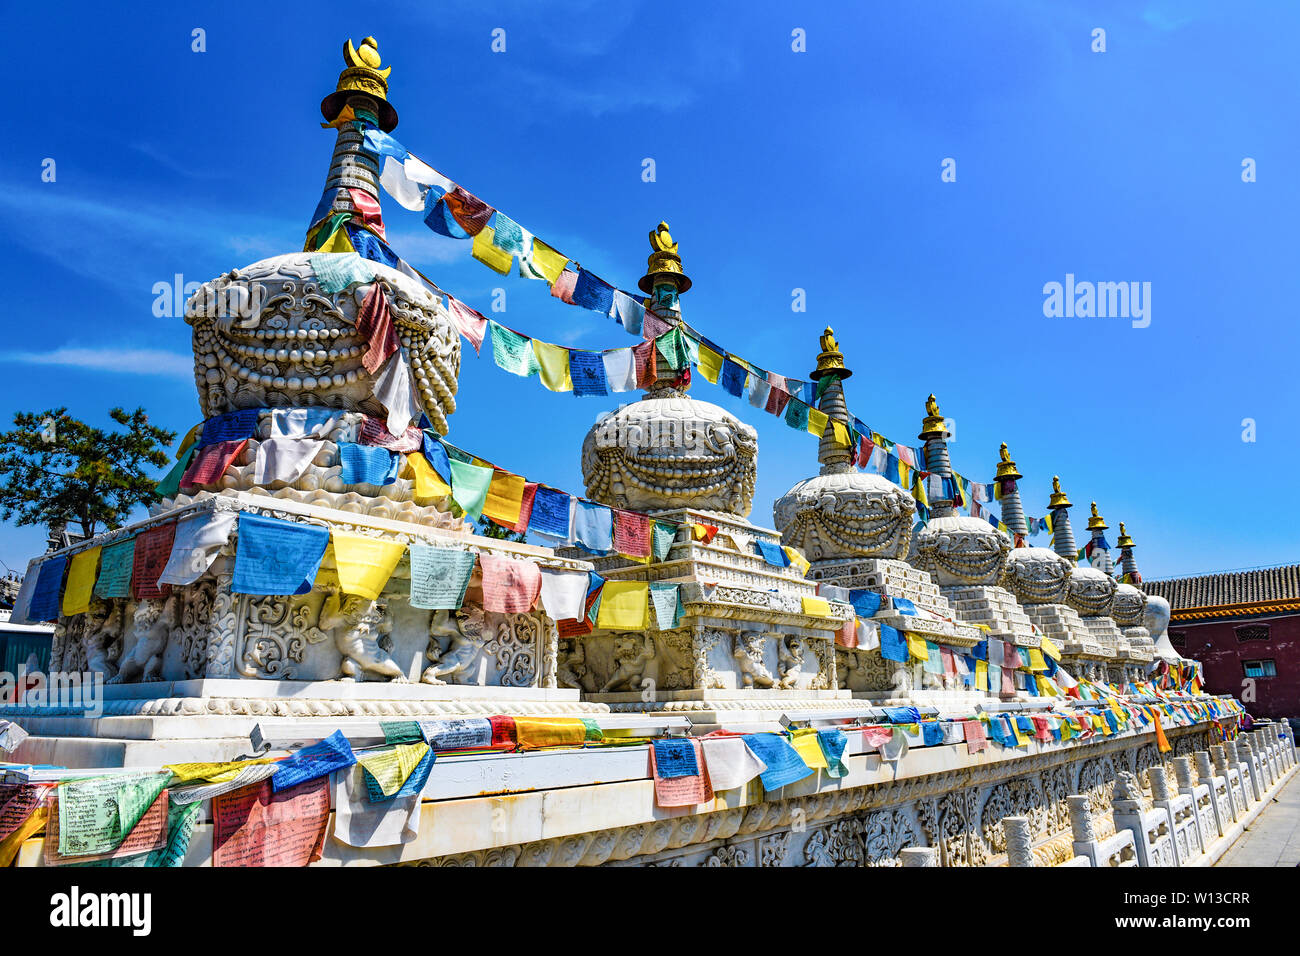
958, 550
632, 655
152, 626
102, 643
748, 653
468, 632
358, 625
790, 661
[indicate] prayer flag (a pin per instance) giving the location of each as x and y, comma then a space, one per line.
365, 564
629, 312
276, 557
562, 287
367, 464
545, 262
198, 540
505, 498
809, 748
283, 459
772, 553
797, 559
643, 357
374, 324
553, 363
664, 535
512, 352
537, 732
729, 762
817, 420
710, 364
796, 414
230, 426
153, 548
472, 325
631, 534
624, 606
593, 526
210, 464
587, 372
471, 212
469, 486
509, 586
375, 432
428, 483
392, 387
81, 581
551, 513
439, 576
893, 645
815, 606
592, 292
115, 569
309, 763
784, 765
733, 377
564, 594
620, 369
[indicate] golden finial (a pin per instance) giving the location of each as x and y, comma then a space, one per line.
1058, 499
1124, 540
1007, 467
1096, 522
663, 264
933, 426
362, 79
831, 360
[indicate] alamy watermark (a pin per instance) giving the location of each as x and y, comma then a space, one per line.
67, 690
1102, 300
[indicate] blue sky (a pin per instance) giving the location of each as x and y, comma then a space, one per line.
776, 170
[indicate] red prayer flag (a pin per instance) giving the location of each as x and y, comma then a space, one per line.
375, 431
471, 212
472, 325
152, 549
644, 357
211, 463
509, 586
372, 216
631, 534
848, 635
976, 739
564, 285
573, 627
375, 325
526, 506
653, 326
503, 733
777, 398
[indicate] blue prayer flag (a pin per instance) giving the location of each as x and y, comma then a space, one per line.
45, 596
508, 234
367, 464
439, 218
904, 606
893, 646
277, 557
332, 753
592, 292
593, 526
587, 369
232, 426
733, 378
981, 650
773, 554
834, 743
865, 603
675, 758
369, 246
550, 512
784, 765
903, 715
436, 455
931, 733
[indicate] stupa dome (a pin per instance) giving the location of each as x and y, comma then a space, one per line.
269, 335
1129, 607
1092, 592
957, 549
1037, 576
846, 514
671, 451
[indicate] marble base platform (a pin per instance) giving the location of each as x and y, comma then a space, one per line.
994, 607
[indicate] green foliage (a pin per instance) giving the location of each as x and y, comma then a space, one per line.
490, 529
54, 468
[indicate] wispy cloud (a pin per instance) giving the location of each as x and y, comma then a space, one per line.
131, 361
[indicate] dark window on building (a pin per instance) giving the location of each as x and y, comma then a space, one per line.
1178, 638
1252, 632
1259, 668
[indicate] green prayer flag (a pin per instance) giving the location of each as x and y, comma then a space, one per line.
469, 486
115, 563
796, 414
513, 352
171, 483
664, 536
672, 347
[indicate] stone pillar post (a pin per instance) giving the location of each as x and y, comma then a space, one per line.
1183, 773
1246, 758
1159, 784
1220, 757
919, 856
1020, 839
1259, 747
1081, 820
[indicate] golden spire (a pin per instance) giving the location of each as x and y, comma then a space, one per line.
831, 359
1124, 540
1096, 522
663, 263
1007, 467
361, 78
1058, 499
933, 426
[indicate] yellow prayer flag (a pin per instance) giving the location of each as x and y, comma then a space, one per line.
982, 675
190, 438
816, 606
710, 364
1098, 723
81, 581
624, 606
806, 745
918, 491
428, 483
1051, 650
1021, 739
391, 767
337, 242
211, 772
916, 648
492, 256
841, 433
797, 559
816, 421
547, 261
505, 498
904, 474
1036, 662
365, 564
698, 531
554, 363
1046, 688
532, 732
